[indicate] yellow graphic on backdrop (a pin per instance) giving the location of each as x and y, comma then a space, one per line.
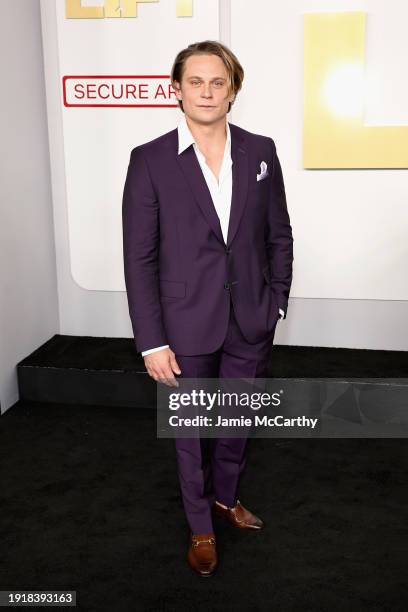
334, 134
118, 8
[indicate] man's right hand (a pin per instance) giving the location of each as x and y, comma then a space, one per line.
162, 365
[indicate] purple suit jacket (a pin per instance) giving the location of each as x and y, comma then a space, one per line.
179, 272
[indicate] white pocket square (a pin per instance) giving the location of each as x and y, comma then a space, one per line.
264, 171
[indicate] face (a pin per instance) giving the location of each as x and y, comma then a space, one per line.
204, 89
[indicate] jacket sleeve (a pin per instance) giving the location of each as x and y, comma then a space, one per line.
279, 239
141, 235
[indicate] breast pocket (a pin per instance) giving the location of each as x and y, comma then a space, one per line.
259, 190
264, 185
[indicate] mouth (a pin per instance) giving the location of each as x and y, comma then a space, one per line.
205, 106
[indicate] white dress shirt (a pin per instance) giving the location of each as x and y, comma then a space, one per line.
221, 190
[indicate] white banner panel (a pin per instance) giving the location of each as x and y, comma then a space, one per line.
115, 95
350, 227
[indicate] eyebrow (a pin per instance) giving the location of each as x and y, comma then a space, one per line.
214, 79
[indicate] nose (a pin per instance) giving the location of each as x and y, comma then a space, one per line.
206, 91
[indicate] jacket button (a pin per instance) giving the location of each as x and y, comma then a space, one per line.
226, 285
228, 251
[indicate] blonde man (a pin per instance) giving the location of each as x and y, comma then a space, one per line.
208, 253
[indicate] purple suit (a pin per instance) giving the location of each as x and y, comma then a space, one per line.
216, 305
179, 273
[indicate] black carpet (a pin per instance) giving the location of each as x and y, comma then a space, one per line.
90, 502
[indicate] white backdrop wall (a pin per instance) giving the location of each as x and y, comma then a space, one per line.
28, 280
346, 292
352, 222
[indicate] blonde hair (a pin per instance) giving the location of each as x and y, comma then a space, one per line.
213, 47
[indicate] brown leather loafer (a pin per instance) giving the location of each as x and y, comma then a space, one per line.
202, 553
238, 516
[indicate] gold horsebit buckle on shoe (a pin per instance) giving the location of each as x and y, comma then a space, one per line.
197, 542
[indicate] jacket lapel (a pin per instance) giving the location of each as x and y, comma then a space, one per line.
240, 174
194, 176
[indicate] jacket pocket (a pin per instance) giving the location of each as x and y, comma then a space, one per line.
172, 288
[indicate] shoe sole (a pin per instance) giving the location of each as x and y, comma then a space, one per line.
203, 575
225, 518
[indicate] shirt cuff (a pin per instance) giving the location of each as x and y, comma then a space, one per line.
153, 350
282, 313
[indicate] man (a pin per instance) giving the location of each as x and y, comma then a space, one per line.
208, 253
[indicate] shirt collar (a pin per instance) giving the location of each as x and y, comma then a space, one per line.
185, 137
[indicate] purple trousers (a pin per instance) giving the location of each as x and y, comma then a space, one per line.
209, 468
